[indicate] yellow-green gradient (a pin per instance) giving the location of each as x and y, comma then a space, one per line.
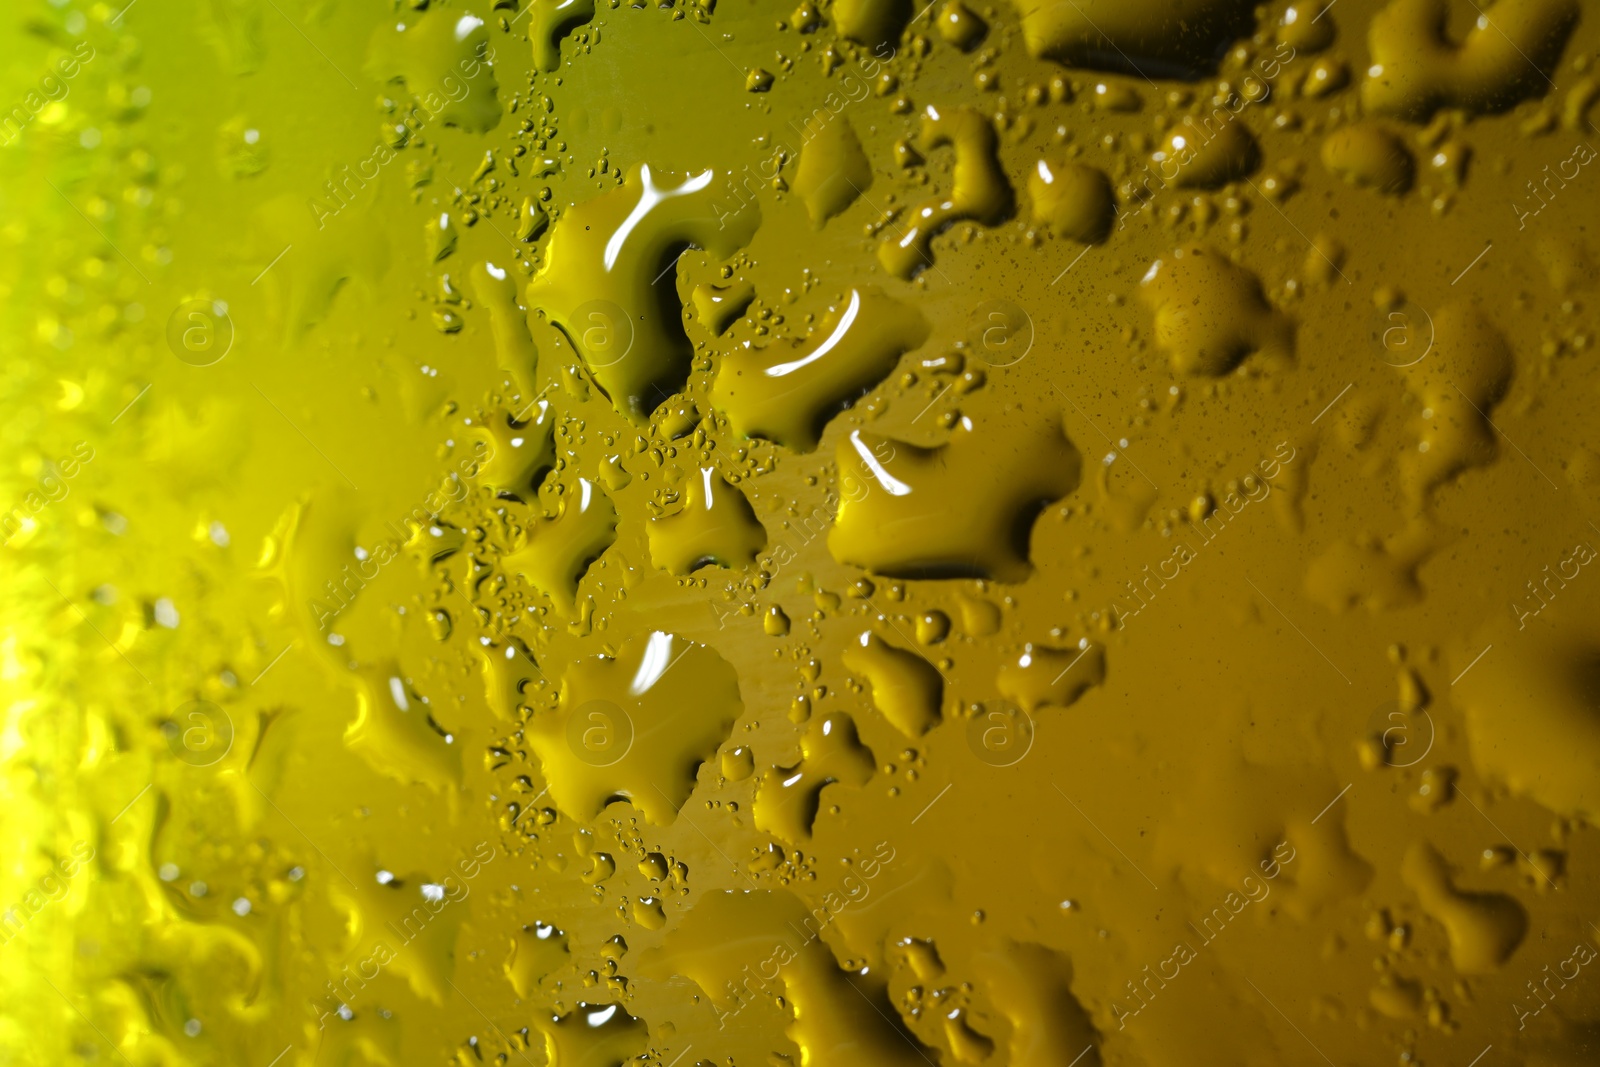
707, 533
